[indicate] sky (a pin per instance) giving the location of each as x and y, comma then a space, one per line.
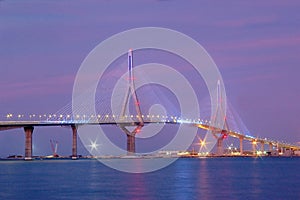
255, 44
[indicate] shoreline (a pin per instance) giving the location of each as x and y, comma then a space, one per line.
41, 158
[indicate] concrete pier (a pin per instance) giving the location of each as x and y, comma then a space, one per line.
241, 145
28, 142
74, 141
220, 150
270, 147
130, 144
254, 143
262, 147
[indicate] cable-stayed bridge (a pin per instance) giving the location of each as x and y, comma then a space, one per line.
131, 121
132, 124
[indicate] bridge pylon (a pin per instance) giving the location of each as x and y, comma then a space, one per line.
222, 132
131, 92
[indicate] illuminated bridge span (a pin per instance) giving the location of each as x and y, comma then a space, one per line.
132, 121
137, 121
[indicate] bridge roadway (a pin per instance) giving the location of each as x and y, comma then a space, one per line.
29, 126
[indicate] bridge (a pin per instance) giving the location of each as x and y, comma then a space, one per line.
124, 120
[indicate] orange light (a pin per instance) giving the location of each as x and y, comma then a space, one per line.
202, 143
203, 127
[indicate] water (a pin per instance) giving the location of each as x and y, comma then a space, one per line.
209, 178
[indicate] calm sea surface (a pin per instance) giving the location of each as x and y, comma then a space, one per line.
209, 178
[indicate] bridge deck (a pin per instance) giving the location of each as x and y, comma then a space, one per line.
6, 125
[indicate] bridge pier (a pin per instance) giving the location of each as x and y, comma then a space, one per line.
278, 149
130, 144
262, 147
241, 146
131, 138
74, 141
254, 143
270, 147
28, 142
282, 150
220, 146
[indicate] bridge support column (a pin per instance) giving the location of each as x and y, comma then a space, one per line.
241, 145
262, 147
28, 142
130, 144
131, 138
254, 143
220, 146
74, 141
282, 150
270, 147
278, 148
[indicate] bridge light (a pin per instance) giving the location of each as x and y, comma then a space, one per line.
202, 143
94, 145
60, 116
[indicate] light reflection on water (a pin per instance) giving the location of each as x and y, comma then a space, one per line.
210, 178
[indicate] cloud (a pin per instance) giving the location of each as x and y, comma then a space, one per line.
45, 86
250, 21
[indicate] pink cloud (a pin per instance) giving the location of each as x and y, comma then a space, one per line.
253, 78
45, 86
262, 43
242, 22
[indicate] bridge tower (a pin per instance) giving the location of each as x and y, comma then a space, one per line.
222, 132
131, 92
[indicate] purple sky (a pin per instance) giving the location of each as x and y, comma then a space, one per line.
255, 44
